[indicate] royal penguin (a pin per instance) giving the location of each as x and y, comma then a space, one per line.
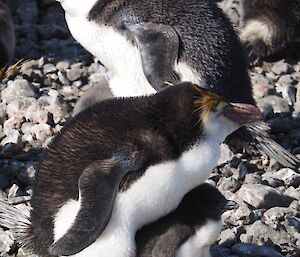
123, 163
189, 230
7, 36
269, 26
144, 44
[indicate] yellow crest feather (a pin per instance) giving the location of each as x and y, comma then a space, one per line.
206, 102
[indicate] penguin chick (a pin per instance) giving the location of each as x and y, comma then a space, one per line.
93, 95
189, 230
145, 43
7, 36
126, 162
269, 26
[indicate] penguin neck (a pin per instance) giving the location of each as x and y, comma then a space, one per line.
77, 8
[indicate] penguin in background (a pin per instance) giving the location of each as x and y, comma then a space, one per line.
269, 26
121, 164
7, 36
189, 230
146, 43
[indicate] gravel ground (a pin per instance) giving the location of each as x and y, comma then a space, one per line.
36, 101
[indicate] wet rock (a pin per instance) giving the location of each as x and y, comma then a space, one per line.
252, 250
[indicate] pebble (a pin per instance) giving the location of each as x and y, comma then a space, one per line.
261, 196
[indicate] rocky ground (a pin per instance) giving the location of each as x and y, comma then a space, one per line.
36, 101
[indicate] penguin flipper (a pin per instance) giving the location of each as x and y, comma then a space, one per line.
168, 243
98, 187
159, 47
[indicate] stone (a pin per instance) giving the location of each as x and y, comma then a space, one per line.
281, 67
6, 241
252, 250
292, 192
258, 233
262, 196
49, 68
16, 89
275, 215
74, 74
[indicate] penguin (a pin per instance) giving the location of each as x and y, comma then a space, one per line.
269, 26
189, 230
7, 36
146, 43
123, 163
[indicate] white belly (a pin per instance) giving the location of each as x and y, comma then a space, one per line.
120, 57
154, 195
199, 244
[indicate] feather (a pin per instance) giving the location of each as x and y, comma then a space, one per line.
18, 221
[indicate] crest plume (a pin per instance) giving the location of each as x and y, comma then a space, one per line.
205, 102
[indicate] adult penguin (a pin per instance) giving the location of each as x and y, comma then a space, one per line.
146, 43
269, 26
121, 164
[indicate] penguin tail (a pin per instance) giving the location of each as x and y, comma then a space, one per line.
18, 221
269, 147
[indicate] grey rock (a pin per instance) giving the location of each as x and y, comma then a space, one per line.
74, 74
288, 176
262, 196
259, 233
281, 67
6, 241
49, 68
292, 192
229, 184
253, 178
16, 89
278, 104
275, 215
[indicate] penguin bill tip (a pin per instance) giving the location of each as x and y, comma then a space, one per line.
242, 113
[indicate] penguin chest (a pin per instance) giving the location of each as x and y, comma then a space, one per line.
199, 244
120, 56
155, 194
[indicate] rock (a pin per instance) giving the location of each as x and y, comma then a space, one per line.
229, 237
11, 149
74, 74
281, 67
251, 250
275, 215
262, 196
292, 192
277, 103
288, 176
16, 89
226, 154
259, 233
6, 241
229, 184
49, 68
17, 108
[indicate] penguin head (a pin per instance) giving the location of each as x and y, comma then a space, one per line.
77, 7
220, 118
204, 202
